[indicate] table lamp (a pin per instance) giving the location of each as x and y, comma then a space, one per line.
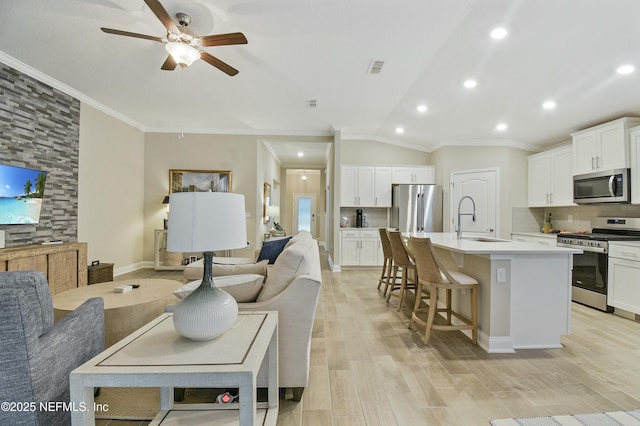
205, 222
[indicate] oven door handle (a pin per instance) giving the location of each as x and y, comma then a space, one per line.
601, 250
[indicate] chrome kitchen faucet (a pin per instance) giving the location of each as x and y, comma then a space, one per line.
473, 215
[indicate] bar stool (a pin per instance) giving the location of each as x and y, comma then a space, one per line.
387, 265
402, 263
432, 276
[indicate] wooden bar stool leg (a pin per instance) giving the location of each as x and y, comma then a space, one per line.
392, 282
383, 278
474, 314
431, 313
416, 304
403, 286
449, 309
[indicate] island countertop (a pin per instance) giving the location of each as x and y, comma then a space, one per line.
476, 244
518, 282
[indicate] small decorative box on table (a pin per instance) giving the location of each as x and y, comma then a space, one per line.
99, 272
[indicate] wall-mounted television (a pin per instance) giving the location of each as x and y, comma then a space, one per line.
21, 192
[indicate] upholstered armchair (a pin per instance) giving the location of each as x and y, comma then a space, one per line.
36, 356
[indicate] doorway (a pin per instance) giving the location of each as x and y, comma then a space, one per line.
483, 187
304, 213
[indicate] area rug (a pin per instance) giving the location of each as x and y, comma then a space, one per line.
616, 418
143, 403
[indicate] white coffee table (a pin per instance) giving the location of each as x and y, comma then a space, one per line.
157, 356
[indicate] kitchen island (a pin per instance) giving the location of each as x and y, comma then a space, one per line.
525, 289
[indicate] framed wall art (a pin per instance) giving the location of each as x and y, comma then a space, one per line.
199, 181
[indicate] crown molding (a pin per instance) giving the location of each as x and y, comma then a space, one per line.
43, 78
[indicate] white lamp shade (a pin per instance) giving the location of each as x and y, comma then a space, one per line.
273, 211
206, 221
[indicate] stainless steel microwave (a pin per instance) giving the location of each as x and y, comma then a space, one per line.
610, 186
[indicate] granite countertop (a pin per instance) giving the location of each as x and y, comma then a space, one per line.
471, 244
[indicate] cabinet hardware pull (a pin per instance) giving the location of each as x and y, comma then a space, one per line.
626, 253
593, 163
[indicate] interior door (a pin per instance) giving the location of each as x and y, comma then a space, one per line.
482, 186
304, 213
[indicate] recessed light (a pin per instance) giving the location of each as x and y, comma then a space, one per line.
498, 33
301, 154
422, 108
501, 127
549, 105
625, 69
470, 84
399, 130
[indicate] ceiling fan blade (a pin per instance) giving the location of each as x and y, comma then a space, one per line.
162, 15
128, 34
170, 64
223, 39
226, 68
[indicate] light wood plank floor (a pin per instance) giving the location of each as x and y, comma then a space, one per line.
367, 368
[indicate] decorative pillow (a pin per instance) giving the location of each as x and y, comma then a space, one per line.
249, 268
244, 288
293, 258
272, 249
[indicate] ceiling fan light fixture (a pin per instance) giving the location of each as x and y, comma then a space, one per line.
183, 54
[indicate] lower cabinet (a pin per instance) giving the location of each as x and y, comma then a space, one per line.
360, 247
549, 240
624, 270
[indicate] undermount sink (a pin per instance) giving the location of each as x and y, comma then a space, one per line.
484, 239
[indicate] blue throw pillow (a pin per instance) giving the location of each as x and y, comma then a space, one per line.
272, 249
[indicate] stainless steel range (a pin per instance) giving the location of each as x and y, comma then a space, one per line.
590, 269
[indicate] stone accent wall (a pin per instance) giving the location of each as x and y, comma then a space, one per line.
39, 129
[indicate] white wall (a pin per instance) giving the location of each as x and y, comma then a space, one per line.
110, 189
164, 151
374, 152
511, 162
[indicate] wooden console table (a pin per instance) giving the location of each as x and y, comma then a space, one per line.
64, 265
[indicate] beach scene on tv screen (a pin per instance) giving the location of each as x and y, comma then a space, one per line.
21, 192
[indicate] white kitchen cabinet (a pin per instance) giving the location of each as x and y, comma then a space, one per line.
623, 283
550, 178
360, 247
535, 238
634, 139
413, 174
382, 187
603, 147
365, 186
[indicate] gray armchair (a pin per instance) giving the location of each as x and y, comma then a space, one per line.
36, 357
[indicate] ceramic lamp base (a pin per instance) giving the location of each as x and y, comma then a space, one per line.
208, 311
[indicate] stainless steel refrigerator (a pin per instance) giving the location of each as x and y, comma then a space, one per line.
417, 208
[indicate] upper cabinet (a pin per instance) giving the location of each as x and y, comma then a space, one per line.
551, 178
365, 186
413, 174
603, 147
634, 138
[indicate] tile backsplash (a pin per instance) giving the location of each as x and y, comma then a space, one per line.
376, 217
572, 218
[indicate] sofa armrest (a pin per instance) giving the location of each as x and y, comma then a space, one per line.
296, 306
77, 338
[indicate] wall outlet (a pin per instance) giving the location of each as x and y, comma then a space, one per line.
364, 217
501, 275
570, 218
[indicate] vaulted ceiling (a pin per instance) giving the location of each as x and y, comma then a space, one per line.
300, 50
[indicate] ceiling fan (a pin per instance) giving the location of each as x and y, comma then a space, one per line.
182, 44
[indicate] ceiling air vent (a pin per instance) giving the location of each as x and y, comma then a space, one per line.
312, 103
375, 67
